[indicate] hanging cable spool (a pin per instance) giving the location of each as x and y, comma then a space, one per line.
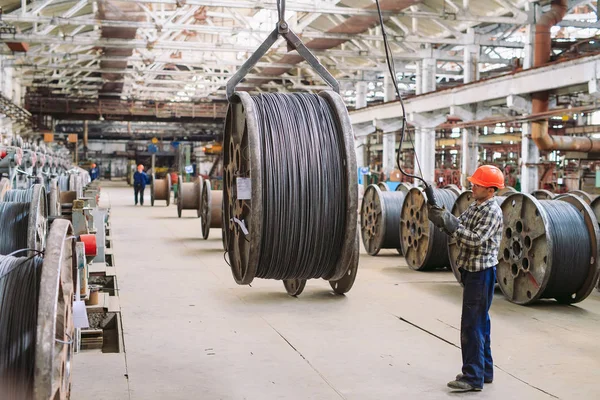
210, 209
424, 246
189, 195
380, 219
383, 186
585, 196
4, 187
549, 249
290, 195
460, 206
23, 224
36, 324
543, 194
160, 189
54, 208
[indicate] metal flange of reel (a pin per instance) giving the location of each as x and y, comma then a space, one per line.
380, 219
424, 246
211, 208
506, 191
189, 195
383, 187
37, 227
243, 209
526, 267
543, 194
160, 189
585, 196
55, 329
54, 207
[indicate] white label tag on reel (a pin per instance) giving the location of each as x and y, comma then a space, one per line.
244, 188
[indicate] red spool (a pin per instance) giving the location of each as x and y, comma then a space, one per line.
91, 249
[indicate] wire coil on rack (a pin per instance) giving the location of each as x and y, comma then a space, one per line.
549, 249
290, 189
424, 246
19, 290
380, 219
460, 205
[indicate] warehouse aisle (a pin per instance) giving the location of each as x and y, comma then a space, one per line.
191, 333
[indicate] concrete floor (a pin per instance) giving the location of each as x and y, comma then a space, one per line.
191, 333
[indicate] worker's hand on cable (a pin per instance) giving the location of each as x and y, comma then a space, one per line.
443, 219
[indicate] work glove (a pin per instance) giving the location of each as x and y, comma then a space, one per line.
443, 219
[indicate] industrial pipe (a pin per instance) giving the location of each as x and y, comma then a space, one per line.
542, 52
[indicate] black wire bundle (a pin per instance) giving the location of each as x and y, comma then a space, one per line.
19, 195
393, 209
14, 220
19, 291
304, 187
571, 251
438, 257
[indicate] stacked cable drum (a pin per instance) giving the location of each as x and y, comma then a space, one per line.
160, 189
461, 205
23, 220
54, 208
585, 196
380, 218
189, 194
424, 246
549, 249
543, 194
211, 214
290, 195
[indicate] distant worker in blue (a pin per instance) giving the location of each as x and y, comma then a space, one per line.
140, 178
94, 172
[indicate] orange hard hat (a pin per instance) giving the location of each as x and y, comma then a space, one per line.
140, 167
488, 176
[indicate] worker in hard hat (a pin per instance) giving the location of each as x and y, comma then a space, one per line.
478, 232
140, 178
94, 172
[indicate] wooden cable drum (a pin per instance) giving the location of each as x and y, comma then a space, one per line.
23, 220
160, 189
424, 246
506, 191
585, 196
189, 195
210, 209
289, 192
380, 219
55, 328
383, 186
549, 249
460, 205
543, 194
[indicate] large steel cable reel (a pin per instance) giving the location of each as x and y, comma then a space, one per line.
243, 216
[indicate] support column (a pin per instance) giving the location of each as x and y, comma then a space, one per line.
425, 150
389, 92
361, 142
530, 155
471, 63
470, 151
419, 78
429, 66
389, 153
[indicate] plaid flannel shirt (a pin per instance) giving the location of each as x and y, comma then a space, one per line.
478, 236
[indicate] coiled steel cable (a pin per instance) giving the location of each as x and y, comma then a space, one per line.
14, 220
393, 203
571, 251
19, 195
439, 250
19, 291
303, 191
63, 183
380, 219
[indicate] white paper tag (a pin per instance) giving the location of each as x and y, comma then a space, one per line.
242, 225
189, 169
244, 188
80, 318
559, 181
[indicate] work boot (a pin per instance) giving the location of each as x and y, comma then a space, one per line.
485, 380
461, 386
